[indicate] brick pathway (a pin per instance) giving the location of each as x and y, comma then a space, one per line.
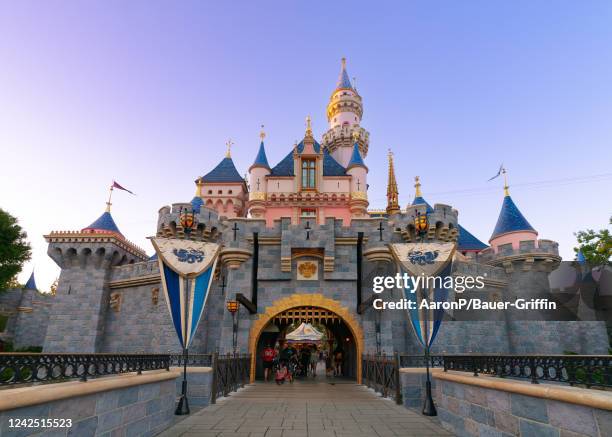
305, 409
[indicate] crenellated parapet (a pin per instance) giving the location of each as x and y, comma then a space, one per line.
442, 221
540, 255
208, 223
102, 250
346, 136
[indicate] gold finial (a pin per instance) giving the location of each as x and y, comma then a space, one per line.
343, 61
417, 186
110, 195
229, 144
199, 184
355, 135
506, 192
262, 134
308, 126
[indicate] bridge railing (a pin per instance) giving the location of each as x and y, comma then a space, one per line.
381, 373
193, 360
22, 368
230, 372
591, 371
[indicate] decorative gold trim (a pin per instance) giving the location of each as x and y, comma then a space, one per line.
257, 195
359, 195
24, 309
299, 300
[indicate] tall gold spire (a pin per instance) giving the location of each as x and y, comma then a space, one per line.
392, 192
229, 144
262, 134
417, 187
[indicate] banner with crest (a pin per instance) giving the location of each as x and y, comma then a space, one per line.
187, 269
425, 260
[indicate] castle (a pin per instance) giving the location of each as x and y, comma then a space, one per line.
299, 244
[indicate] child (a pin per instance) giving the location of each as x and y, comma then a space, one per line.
282, 373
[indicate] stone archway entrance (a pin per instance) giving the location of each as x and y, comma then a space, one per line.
313, 301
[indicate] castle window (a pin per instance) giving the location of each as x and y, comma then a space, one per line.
308, 174
209, 191
308, 212
220, 192
230, 192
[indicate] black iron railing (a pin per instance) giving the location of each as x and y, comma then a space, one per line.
193, 360
585, 370
230, 372
381, 373
20, 368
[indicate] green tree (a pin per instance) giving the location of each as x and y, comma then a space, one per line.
595, 246
14, 249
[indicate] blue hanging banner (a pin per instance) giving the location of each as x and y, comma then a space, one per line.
187, 269
430, 265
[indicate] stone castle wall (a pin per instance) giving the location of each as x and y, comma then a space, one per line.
83, 320
28, 316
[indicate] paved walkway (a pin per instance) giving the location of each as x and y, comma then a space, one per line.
305, 409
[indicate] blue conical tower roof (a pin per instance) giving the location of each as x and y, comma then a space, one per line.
196, 203
510, 219
103, 223
344, 82
356, 158
467, 241
225, 171
261, 160
31, 284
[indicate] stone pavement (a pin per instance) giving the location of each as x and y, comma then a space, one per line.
305, 409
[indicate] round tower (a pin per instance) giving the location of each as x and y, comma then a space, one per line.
344, 112
257, 180
358, 171
512, 231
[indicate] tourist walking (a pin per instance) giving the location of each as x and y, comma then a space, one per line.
268, 356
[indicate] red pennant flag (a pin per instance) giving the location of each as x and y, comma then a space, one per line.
116, 185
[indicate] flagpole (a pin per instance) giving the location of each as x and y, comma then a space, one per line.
110, 195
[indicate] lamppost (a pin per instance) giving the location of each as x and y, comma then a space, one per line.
232, 307
187, 221
421, 225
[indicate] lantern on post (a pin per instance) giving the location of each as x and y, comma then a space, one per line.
232, 307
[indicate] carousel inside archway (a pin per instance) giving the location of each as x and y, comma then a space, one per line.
316, 331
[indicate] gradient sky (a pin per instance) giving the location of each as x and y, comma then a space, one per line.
147, 93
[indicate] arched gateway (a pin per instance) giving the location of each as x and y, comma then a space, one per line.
314, 301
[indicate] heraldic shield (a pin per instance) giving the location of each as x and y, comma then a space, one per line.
187, 268
429, 264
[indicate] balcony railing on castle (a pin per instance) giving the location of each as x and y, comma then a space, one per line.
31, 368
590, 371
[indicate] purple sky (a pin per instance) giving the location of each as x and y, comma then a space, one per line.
147, 93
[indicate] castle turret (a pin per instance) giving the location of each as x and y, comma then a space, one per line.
344, 112
358, 171
83, 296
512, 229
31, 284
258, 182
223, 189
392, 191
